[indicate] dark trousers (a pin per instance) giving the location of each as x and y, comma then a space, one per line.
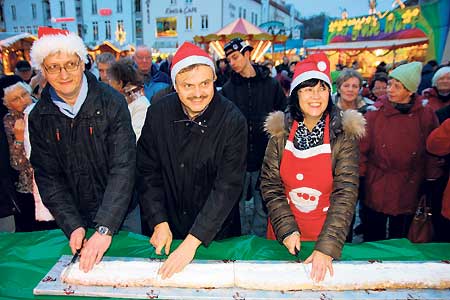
376, 225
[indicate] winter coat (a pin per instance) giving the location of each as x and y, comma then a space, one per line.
394, 160
155, 81
346, 128
438, 143
256, 97
84, 167
191, 172
432, 98
7, 195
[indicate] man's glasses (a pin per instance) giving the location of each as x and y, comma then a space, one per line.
70, 66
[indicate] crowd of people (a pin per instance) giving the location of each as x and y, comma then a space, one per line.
198, 150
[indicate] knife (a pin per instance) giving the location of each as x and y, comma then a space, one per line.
297, 252
70, 265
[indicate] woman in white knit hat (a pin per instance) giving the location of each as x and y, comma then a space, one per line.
394, 161
438, 95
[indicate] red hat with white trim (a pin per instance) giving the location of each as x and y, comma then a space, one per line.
315, 66
187, 55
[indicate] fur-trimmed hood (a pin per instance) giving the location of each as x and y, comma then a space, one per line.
350, 121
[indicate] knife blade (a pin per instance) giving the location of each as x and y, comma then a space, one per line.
297, 252
70, 264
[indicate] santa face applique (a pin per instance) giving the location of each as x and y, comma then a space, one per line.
305, 199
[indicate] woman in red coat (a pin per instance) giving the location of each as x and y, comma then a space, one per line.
438, 143
394, 161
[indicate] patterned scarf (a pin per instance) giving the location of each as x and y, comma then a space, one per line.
304, 139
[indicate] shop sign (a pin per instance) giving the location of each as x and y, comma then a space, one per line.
179, 10
105, 12
63, 20
374, 25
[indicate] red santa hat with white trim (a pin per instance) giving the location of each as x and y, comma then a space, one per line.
53, 40
187, 55
315, 66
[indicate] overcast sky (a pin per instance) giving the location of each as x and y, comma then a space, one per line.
333, 8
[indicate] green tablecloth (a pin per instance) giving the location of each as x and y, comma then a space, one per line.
25, 258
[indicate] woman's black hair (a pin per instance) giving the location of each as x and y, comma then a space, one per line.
124, 71
294, 105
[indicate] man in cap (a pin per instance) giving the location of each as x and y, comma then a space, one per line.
191, 162
256, 94
23, 69
83, 146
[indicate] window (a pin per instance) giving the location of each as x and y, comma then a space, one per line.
108, 30
33, 10
120, 25
244, 14
62, 8
256, 19
119, 6
29, 29
13, 12
22, 28
173, 2
95, 30
16, 29
188, 23
188, 1
204, 22
138, 29
35, 29
166, 27
64, 26
240, 12
94, 7
137, 5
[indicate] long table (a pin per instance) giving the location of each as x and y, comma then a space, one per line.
25, 258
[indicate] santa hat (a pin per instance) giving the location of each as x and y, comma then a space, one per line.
53, 40
187, 55
316, 66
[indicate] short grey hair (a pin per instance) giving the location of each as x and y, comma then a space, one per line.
105, 58
346, 74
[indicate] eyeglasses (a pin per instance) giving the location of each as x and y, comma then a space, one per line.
70, 66
148, 58
309, 91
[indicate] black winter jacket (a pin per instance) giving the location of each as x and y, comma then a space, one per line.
84, 167
256, 97
191, 172
8, 205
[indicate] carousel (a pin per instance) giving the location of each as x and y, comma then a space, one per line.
14, 47
260, 40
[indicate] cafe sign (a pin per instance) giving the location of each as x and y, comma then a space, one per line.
179, 10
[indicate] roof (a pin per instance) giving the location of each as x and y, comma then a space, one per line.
9, 38
370, 45
240, 26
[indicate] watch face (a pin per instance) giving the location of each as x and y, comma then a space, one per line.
103, 230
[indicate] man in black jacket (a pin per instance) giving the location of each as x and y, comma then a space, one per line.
191, 162
256, 94
83, 147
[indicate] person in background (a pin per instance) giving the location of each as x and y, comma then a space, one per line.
83, 146
438, 143
191, 162
309, 177
223, 72
256, 94
23, 69
438, 95
427, 75
378, 86
284, 65
154, 80
166, 65
348, 84
5, 82
37, 84
8, 202
104, 61
395, 167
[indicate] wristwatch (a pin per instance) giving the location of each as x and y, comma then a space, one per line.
103, 230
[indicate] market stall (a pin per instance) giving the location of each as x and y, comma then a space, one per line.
241, 28
114, 48
14, 46
27, 257
391, 37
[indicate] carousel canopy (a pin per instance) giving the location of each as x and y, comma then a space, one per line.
241, 28
371, 45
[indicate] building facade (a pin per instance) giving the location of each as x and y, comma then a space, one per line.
160, 24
